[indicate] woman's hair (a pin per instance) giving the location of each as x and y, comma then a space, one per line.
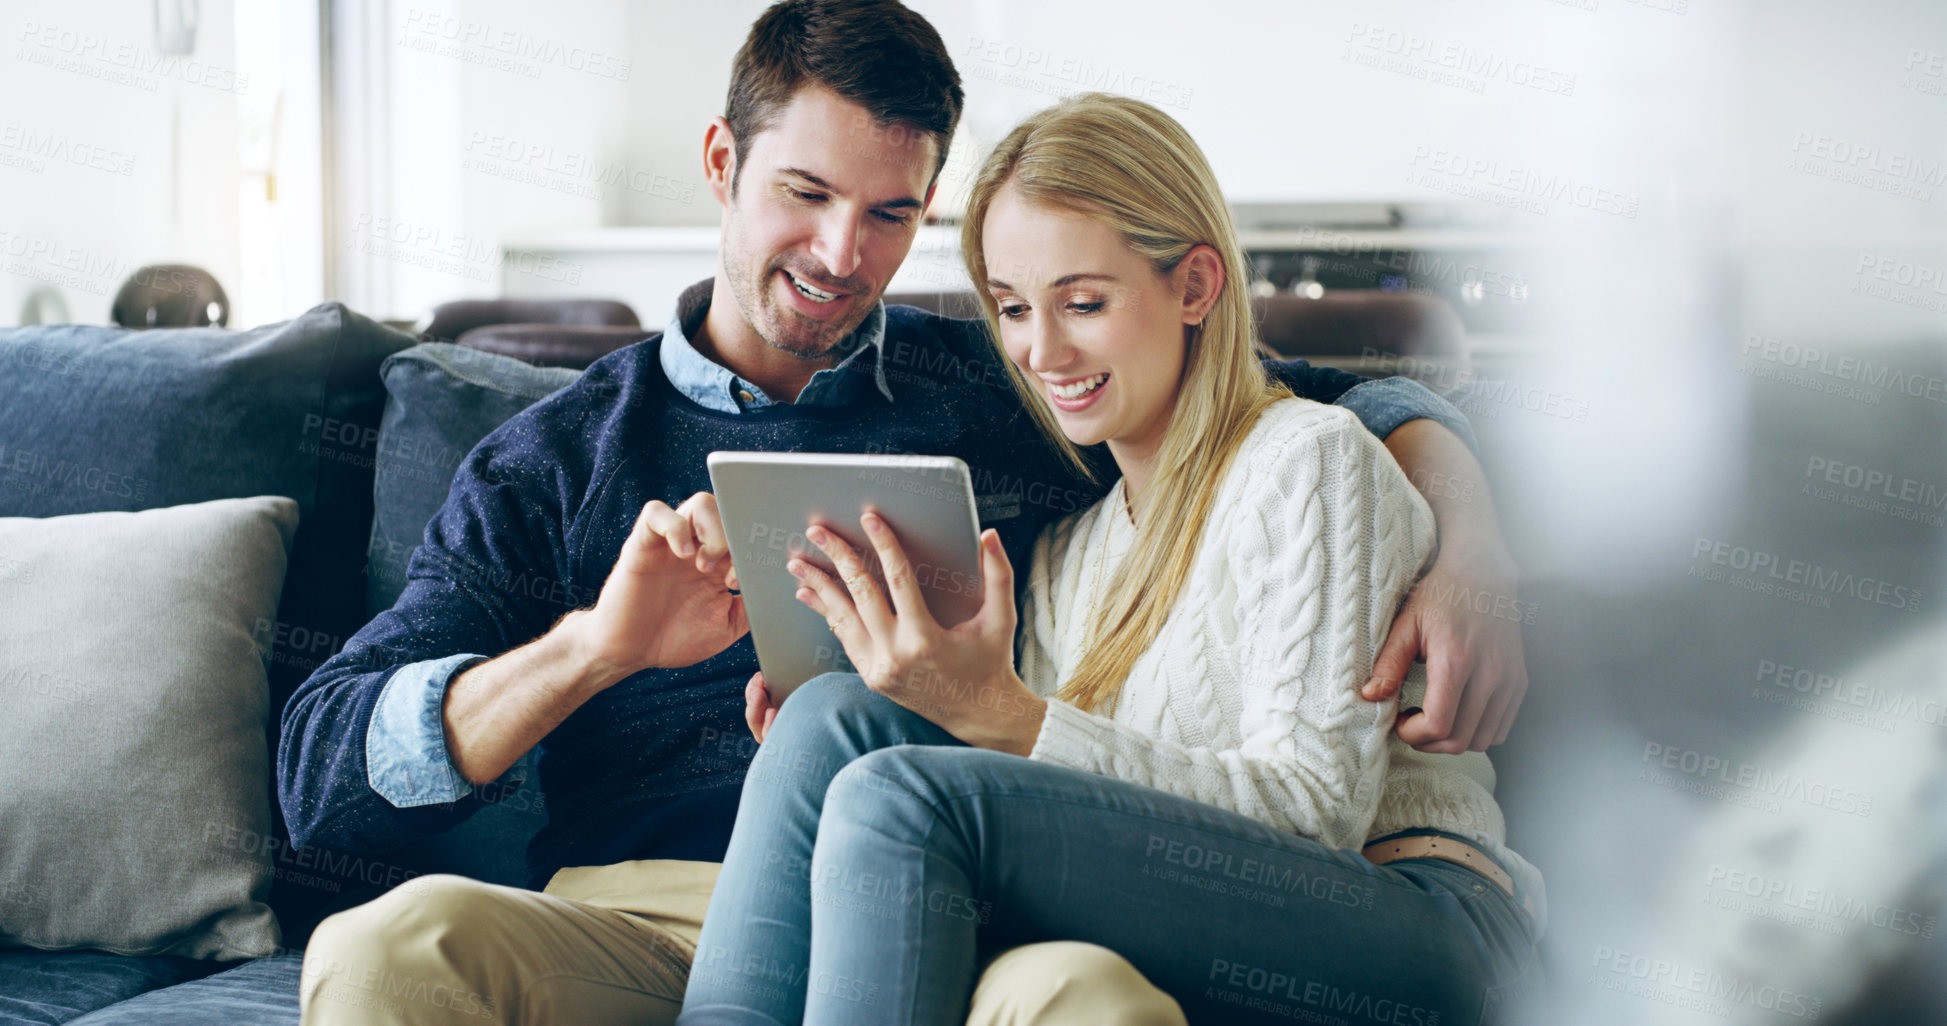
1131, 166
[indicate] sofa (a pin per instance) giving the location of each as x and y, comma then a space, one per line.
333, 439
331, 424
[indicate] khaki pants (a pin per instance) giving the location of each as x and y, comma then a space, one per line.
613, 944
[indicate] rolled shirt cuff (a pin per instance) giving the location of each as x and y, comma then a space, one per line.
1383, 404
406, 759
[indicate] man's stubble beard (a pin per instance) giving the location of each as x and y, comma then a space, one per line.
760, 311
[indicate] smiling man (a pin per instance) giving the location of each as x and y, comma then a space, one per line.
813, 233
830, 147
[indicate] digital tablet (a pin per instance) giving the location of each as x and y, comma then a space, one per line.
768, 499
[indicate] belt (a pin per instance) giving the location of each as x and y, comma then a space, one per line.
1426, 846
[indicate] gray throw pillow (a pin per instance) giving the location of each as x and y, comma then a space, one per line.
134, 812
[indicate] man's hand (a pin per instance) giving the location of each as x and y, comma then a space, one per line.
1462, 620
759, 711
668, 602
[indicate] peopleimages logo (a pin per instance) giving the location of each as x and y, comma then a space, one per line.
1270, 990
1715, 769
1845, 368
32, 150
1418, 55
119, 61
1874, 490
1257, 872
1703, 983
1853, 692
1900, 281
43, 259
1855, 163
1524, 182
446, 252
467, 34
1042, 71
1787, 895
581, 174
38, 472
1772, 574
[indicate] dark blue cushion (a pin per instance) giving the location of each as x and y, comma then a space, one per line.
44, 988
260, 992
95, 419
442, 399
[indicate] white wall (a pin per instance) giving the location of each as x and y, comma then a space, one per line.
1273, 90
1803, 230
488, 120
111, 155
499, 121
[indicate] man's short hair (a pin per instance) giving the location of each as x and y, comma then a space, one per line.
877, 54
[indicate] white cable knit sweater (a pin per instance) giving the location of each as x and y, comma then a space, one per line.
1249, 697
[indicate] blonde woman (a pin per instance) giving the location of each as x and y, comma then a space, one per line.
1182, 770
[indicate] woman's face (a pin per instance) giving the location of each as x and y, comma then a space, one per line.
1089, 321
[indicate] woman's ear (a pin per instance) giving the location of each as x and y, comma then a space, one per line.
1199, 281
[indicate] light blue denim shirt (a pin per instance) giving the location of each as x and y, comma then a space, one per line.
1383, 404
406, 759
715, 387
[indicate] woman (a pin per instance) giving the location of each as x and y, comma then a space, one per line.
1200, 770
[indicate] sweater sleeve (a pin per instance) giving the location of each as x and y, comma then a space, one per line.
1321, 543
483, 581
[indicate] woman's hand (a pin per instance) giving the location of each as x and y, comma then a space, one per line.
962, 677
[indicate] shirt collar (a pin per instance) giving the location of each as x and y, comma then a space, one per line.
713, 386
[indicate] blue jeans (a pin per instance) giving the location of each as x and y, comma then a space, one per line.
876, 857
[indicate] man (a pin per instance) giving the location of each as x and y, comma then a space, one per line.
828, 152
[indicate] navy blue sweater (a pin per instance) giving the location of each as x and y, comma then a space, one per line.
537, 514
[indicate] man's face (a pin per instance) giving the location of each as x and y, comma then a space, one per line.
824, 211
